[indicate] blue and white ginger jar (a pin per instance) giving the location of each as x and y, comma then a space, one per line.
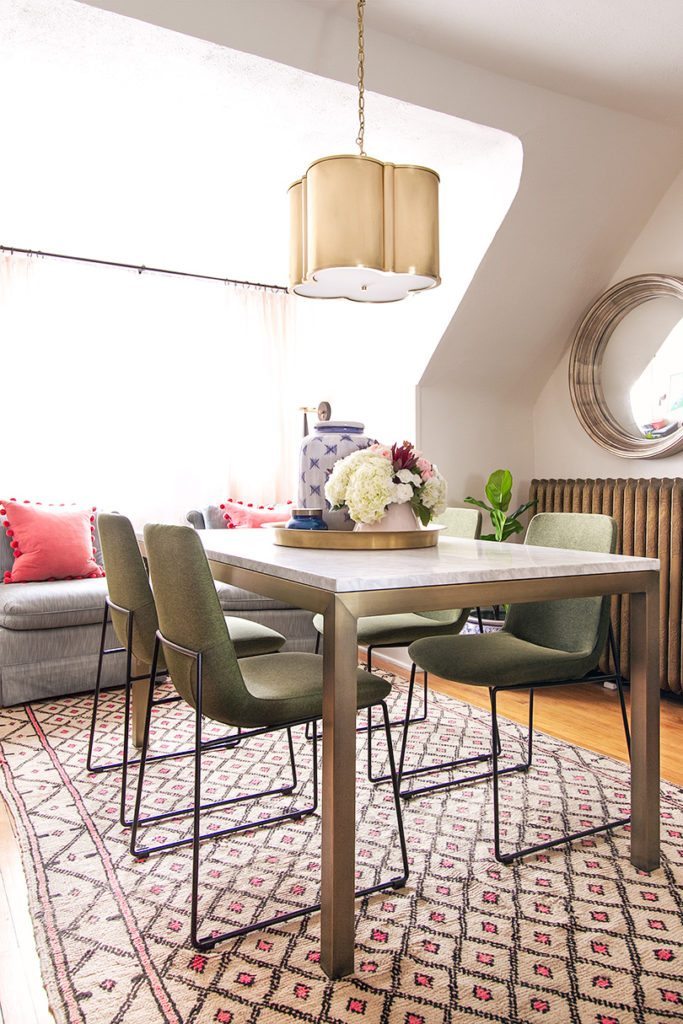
331, 440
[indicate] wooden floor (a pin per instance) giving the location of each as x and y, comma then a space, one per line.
587, 715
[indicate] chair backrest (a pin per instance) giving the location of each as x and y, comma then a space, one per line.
190, 615
128, 584
464, 523
578, 625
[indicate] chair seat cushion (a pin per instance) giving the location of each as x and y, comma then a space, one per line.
496, 659
234, 599
251, 638
289, 687
403, 629
52, 605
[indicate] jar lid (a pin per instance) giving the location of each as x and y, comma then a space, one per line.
308, 513
339, 427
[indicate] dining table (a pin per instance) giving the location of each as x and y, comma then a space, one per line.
344, 585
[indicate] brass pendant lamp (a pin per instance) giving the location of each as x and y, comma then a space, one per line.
363, 229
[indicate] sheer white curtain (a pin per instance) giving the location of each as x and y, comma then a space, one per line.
141, 392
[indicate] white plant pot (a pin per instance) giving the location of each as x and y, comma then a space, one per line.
396, 517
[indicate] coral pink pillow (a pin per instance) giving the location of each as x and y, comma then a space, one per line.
50, 542
241, 513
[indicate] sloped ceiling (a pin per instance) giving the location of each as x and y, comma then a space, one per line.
623, 54
591, 175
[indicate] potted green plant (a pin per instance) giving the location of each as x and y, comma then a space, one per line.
505, 524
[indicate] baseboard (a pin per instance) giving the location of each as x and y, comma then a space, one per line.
399, 665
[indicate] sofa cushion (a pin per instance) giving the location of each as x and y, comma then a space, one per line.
214, 518
234, 599
52, 605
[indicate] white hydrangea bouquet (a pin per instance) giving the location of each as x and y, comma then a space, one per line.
371, 480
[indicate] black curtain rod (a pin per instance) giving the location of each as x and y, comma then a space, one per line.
141, 268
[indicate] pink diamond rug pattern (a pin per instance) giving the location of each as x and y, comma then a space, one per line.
572, 935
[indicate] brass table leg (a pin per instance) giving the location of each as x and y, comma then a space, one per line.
645, 728
338, 791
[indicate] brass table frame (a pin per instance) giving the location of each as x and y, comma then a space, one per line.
340, 656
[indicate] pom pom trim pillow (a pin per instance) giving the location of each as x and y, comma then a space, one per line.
247, 514
49, 542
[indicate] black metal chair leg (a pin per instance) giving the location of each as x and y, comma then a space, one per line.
181, 812
197, 803
209, 941
517, 854
317, 651
397, 721
465, 780
480, 620
406, 721
292, 762
404, 738
143, 752
495, 749
126, 718
619, 679
397, 797
404, 772
96, 696
131, 761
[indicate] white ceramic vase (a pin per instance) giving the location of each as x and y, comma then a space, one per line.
396, 517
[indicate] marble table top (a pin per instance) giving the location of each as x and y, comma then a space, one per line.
452, 561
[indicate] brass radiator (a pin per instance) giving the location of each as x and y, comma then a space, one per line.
649, 515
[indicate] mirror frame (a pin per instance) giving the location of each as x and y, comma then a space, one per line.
585, 367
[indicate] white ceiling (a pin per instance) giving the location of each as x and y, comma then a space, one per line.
624, 54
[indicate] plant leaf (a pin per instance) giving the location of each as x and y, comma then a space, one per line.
421, 511
511, 526
480, 504
498, 519
499, 489
488, 536
522, 509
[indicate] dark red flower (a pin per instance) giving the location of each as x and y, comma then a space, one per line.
403, 456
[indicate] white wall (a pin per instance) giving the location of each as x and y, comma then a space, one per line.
590, 182
562, 448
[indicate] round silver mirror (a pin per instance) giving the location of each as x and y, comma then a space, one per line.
626, 368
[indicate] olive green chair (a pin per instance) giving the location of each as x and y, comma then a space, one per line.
258, 695
375, 631
130, 603
542, 644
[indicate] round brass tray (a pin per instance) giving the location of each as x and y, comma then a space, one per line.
347, 540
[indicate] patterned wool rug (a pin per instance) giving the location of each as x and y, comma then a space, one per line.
576, 935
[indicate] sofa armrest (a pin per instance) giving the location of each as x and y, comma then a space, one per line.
195, 518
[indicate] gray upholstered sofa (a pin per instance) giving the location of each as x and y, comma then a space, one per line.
50, 636
50, 632
294, 623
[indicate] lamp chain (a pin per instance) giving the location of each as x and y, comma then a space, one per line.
360, 140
